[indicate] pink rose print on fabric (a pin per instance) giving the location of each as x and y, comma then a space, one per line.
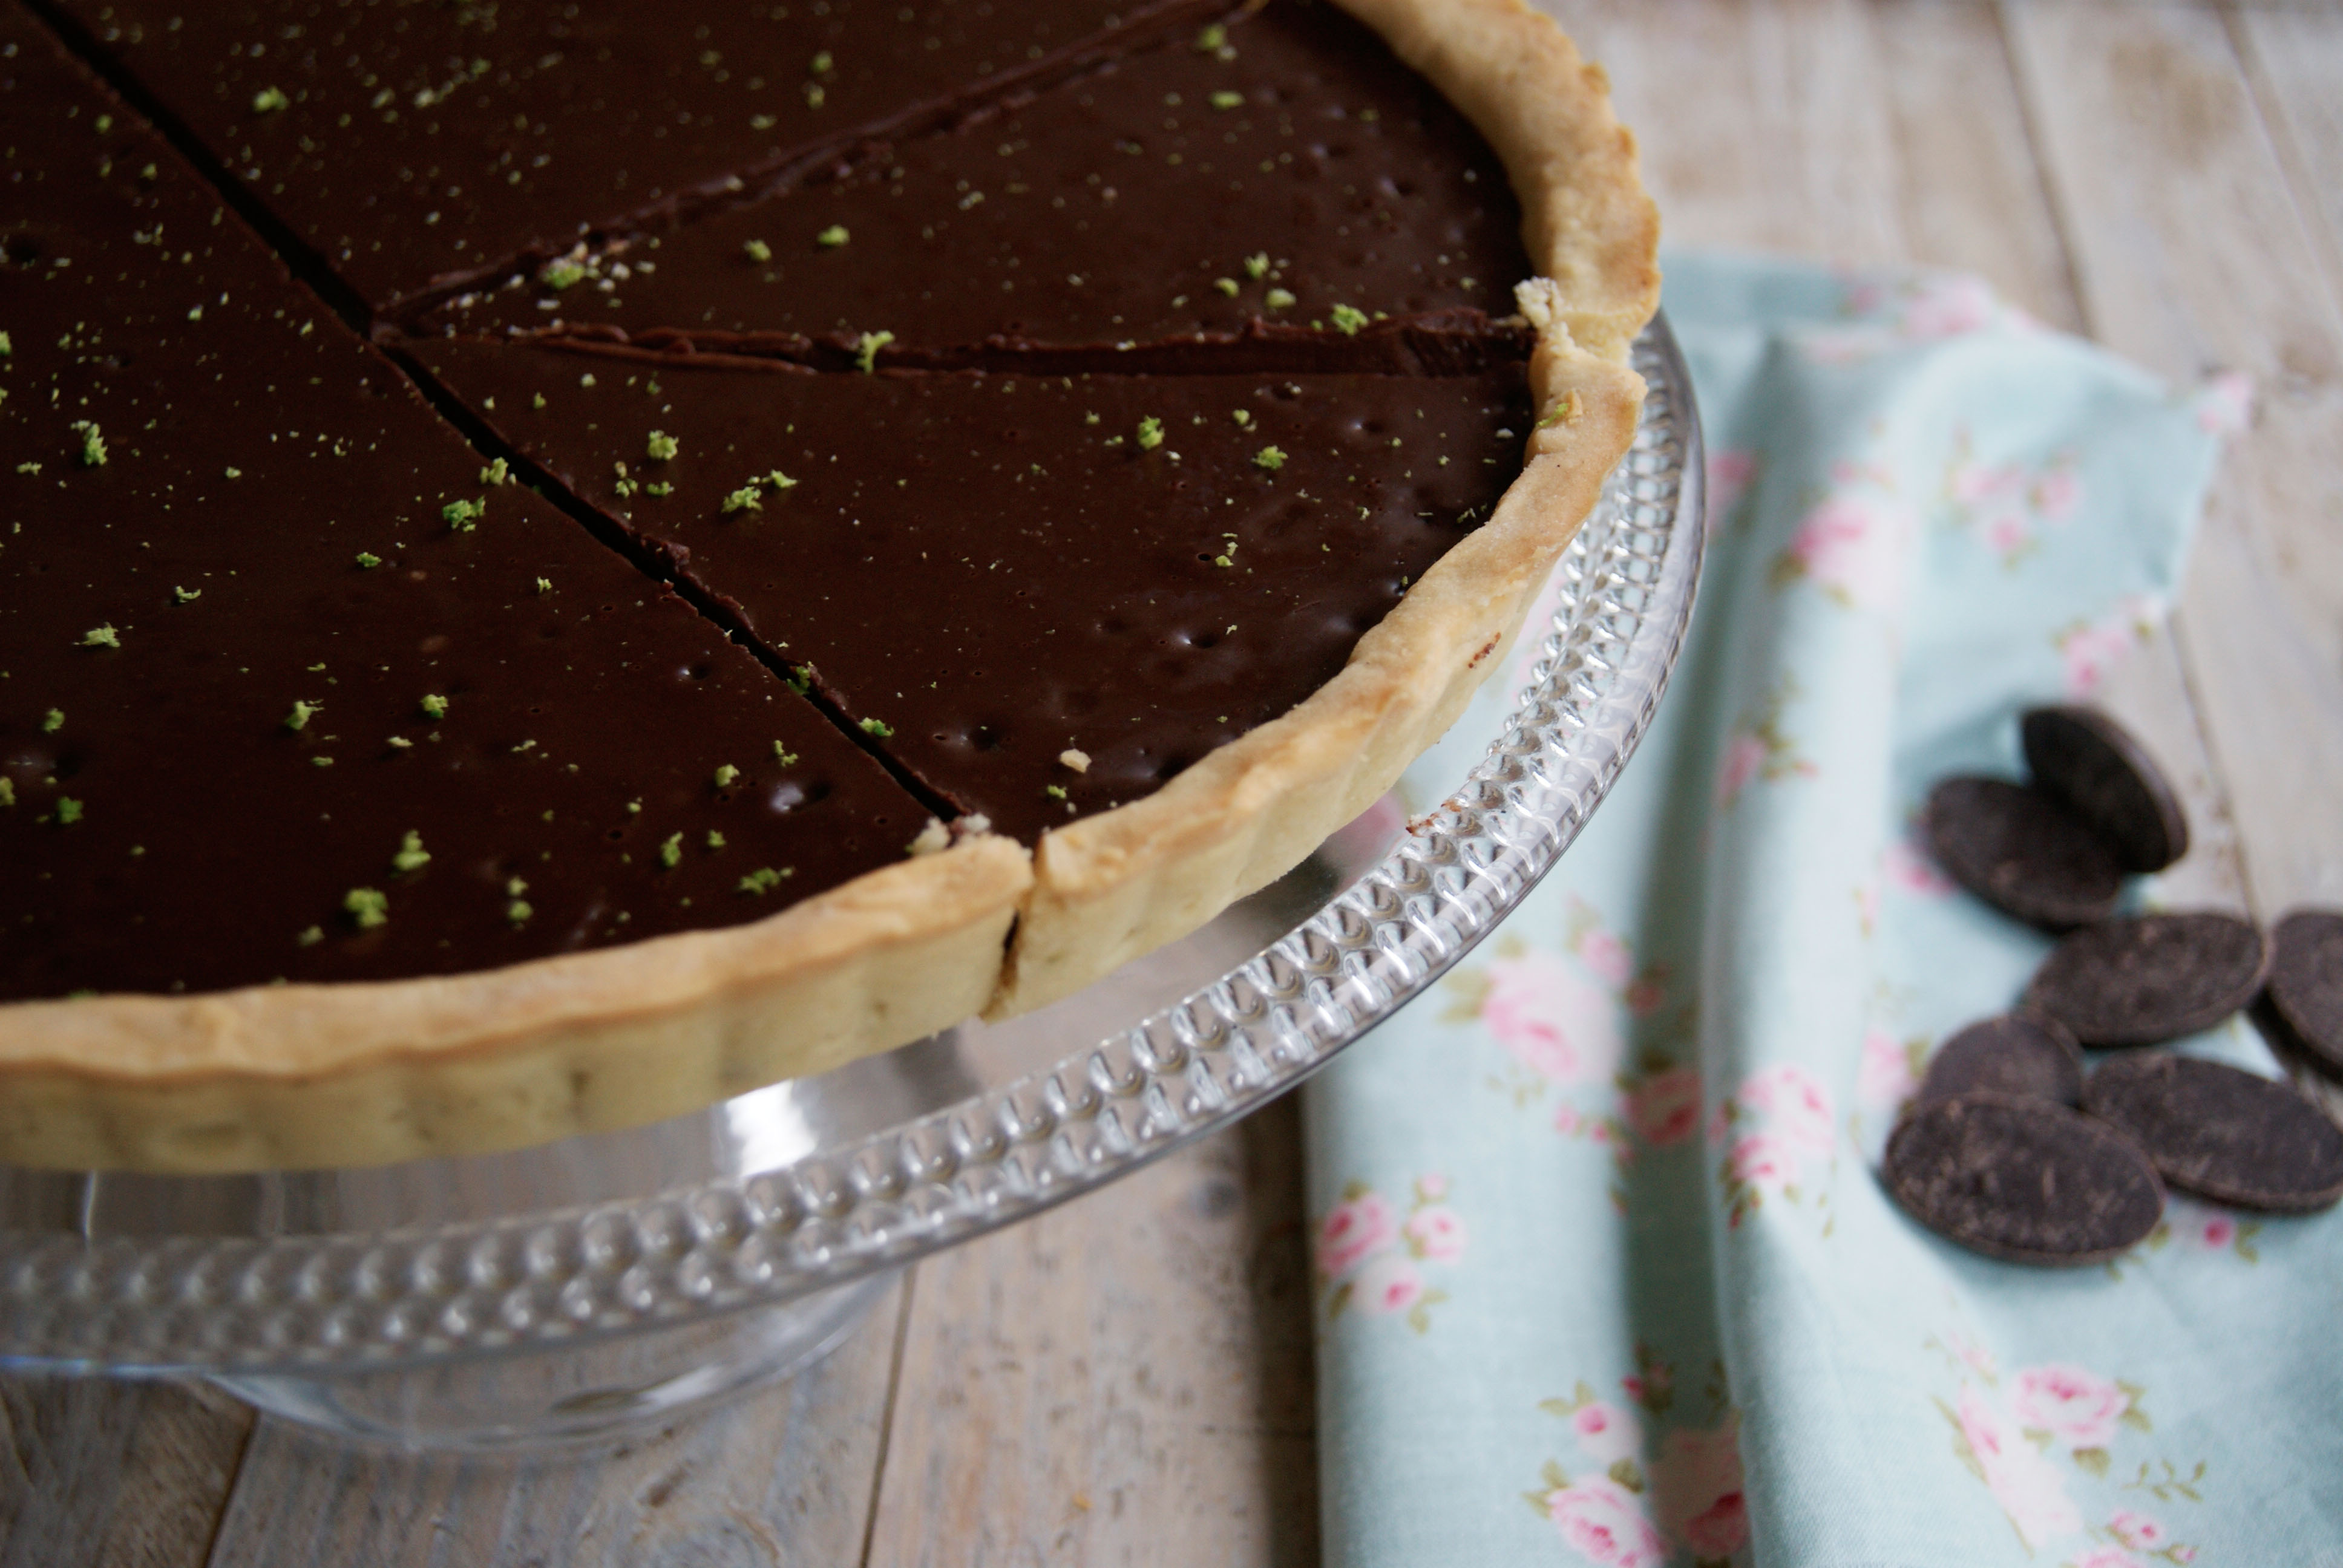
2008, 506
2088, 651
1606, 957
1894, 311
1759, 747
1389, 1284
1910, 869
2139, 1531
2105, 1557
1607, 1433
1555, 1020
1885, 1079
1664, 1108
1351, 1232
1763, 1162
1853, 550
2200, 1228
1792, 1102
1744, 759
1603, 1522
2225, 403
1435, 1233
2028, 1488
1697, 1483
1730, 469
2074, 1405
1368, 1257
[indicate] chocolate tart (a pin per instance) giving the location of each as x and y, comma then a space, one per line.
1248, 562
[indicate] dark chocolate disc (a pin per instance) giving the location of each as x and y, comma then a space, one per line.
2024, 1180
2147, 978
2023, 851
2303, 1003
2223, 1133
2095, 766
2015, 1054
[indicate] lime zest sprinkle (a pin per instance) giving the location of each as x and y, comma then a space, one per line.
368, 907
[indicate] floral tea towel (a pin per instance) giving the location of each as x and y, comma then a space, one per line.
1604, 1274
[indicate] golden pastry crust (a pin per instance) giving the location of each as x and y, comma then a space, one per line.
348, 1075
366, 1074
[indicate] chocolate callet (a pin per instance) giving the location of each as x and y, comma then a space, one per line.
2023, 1179
2017, 1053
2150, 978
2221, 1132
2099, 769
2023, 851
2303, 1003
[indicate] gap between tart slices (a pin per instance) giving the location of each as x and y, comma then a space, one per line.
176, 700
1133, 878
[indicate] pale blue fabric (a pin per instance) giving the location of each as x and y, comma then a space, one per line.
1605, 1272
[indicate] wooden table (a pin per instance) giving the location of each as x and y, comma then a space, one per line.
1128, 1379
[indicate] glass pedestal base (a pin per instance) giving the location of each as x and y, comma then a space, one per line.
568, 1395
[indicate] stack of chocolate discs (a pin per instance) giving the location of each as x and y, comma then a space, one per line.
2010, 1148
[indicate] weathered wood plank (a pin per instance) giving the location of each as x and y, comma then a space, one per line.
781, 1477
98, 1472
1124, 1380
2192, 256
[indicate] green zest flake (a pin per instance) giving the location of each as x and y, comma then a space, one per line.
780, 481
234, 473
821, 64
747, 498
101, 637
765, 881
54, 721
536, 399
28, 468
8, 791
866, 353
518, 912
1348, 319
661, 446
762, 122
1269, 457
1225, 99
878, 727
368, 560
725, 775
1054, 791
7, 349
1277, 298
1151, 433
560, 275
782, 754
715, 840
758, 251
69, 810
464, 516
1227, 286
1567, 410
1243, 416
299, 717
515, 887
321, 762
672, 852
412, 856
544, 585
799, 679
434, 707
268, 100
1213, 37
831, 237
661, 488
1256, 266
312, 937
496, 473
93, 445
369, 907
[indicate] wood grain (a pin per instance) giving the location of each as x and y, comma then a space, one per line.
1125, 1380
2193, 256
116, 1473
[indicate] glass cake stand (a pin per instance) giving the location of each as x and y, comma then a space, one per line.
560, 1294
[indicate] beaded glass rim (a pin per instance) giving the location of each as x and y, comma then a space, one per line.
532, 1281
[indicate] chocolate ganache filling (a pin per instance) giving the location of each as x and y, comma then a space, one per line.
834, 415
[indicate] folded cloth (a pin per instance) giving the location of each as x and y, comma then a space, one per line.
1604, 1269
